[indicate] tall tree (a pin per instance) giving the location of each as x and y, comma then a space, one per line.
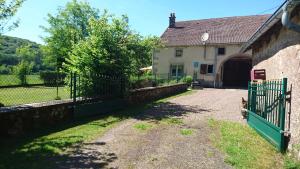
111, 48
67, 28
8, 8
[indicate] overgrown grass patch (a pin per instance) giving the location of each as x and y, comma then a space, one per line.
172, 121
186, 132
243, 147
291, 163
142, 126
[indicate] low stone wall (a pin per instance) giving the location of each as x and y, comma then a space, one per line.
20, 119
153, 93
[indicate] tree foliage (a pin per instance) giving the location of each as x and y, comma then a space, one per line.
22, 69
83, 41
112, 48
9, 56
8, 9
66, 29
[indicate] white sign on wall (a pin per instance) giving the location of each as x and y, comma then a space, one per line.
196, 64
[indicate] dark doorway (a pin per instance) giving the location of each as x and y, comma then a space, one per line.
236, 72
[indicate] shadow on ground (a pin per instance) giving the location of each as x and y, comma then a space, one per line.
33, 151
84, 156
168, 109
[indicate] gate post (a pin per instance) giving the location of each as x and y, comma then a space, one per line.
253, 97
282, 104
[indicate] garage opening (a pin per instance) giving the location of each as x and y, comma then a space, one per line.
236, 72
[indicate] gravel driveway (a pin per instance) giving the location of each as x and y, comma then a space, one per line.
163, 145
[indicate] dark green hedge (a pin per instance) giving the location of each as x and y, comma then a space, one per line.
52, 78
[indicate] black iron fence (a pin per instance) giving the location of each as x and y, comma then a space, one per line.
96, 86
33, 89
49, 86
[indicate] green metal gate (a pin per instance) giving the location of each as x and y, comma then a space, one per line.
267, 110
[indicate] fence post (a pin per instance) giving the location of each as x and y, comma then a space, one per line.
71, 86
74, 88
57, 70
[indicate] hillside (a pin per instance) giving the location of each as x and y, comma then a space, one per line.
8, 46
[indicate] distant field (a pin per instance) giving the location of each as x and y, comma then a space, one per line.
7, 80
25, 95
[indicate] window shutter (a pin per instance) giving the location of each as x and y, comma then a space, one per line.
203, 69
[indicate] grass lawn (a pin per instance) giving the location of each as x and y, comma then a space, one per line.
6, 80
244, 148
25, 95
38, 151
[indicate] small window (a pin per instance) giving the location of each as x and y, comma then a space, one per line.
210, 69
221, 51
178, 52
203, 69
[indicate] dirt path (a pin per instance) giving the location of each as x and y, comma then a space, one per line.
163, 145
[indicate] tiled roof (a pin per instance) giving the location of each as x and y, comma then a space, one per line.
221, 30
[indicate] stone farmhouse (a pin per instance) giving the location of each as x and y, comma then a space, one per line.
208, 50
276, 47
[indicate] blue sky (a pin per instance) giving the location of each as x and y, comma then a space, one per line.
149, 17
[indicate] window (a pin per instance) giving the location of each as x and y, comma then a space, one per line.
177, 70
221, 51
206, 69
178, 52
210, 69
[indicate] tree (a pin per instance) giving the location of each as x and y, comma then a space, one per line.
8, 8
111, 48
66, 29
22, 69
143, 50
26, 53
31, 54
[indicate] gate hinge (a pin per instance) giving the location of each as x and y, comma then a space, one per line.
288, 96
285, 133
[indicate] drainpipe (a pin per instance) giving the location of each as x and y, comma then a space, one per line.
286, 20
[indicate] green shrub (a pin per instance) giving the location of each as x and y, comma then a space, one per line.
188, 80
52, 78
141, 82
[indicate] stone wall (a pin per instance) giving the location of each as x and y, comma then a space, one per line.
153, 93
21, 119
281, 58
